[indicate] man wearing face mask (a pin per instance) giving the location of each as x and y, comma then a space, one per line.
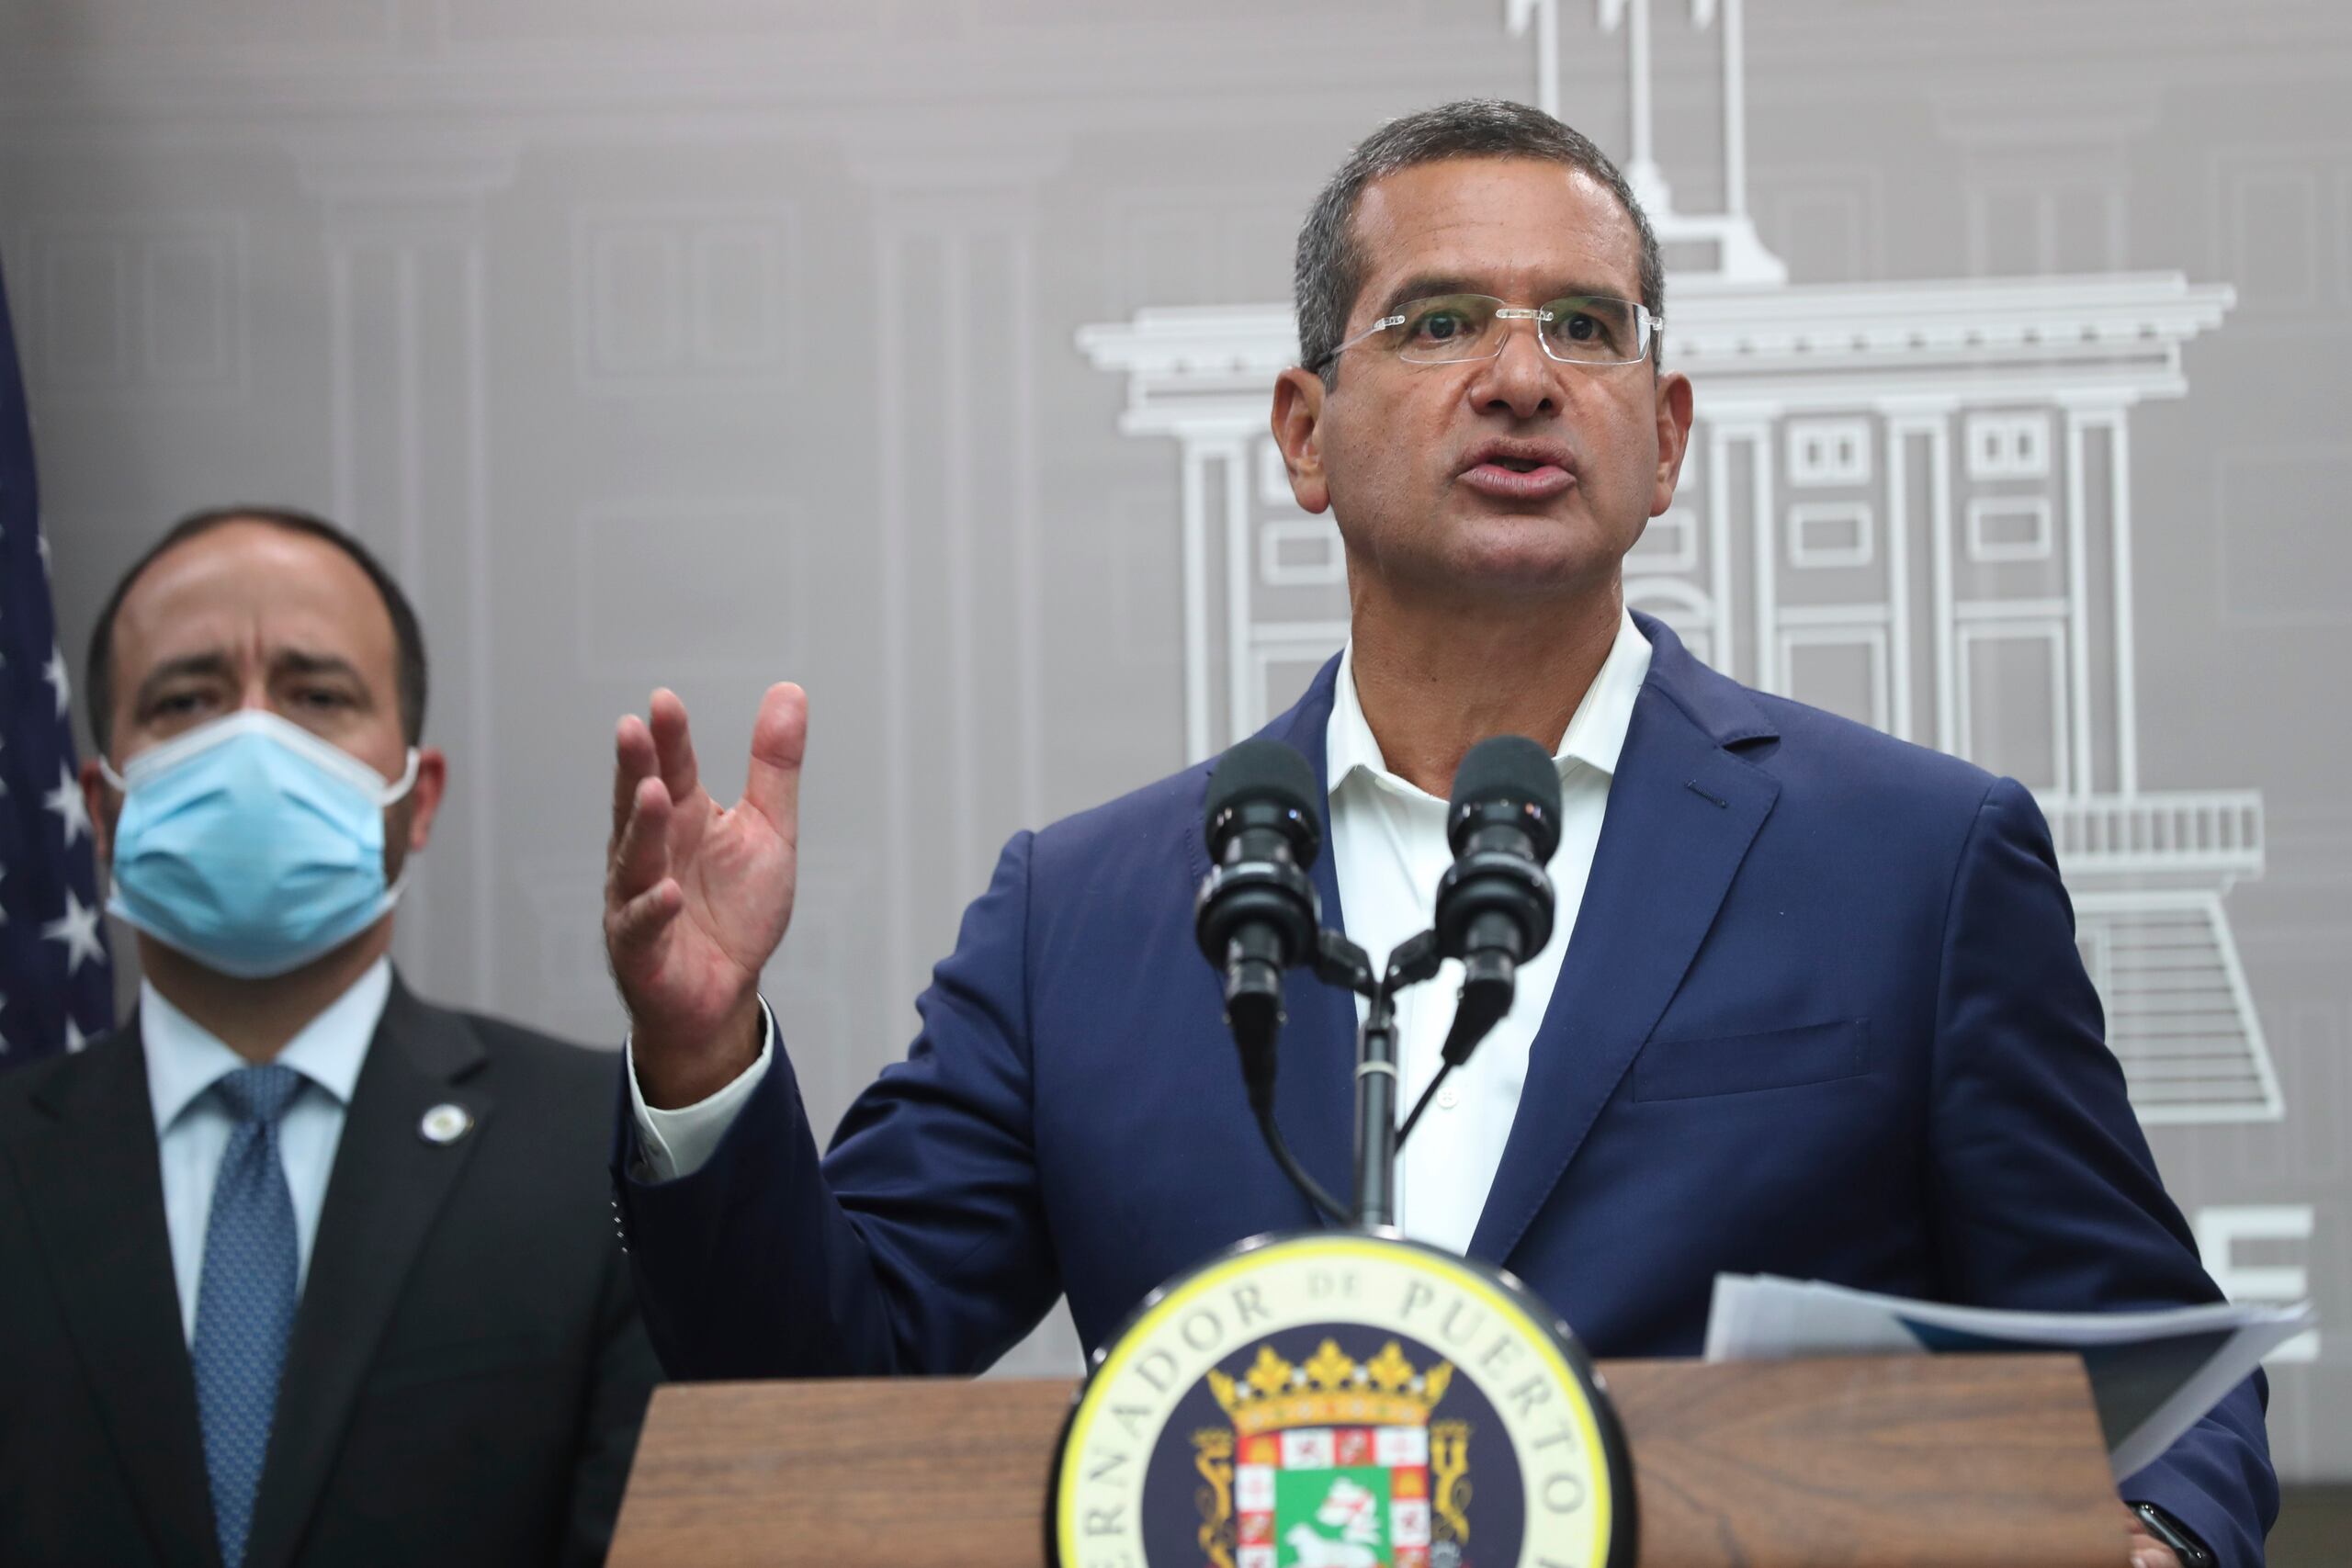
303, 1270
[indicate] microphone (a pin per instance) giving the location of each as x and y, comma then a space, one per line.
1494, 905
1258, 914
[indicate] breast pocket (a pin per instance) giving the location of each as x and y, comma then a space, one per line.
1749, 1063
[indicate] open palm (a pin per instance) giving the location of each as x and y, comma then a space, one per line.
696, 895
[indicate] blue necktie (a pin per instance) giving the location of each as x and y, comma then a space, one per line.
245, 1304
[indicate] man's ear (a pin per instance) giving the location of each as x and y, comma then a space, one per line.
103, 805
1297, 425
1674, 405
425, 795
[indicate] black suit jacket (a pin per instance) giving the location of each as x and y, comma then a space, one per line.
467, 1371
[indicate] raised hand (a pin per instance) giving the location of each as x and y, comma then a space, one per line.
696, 895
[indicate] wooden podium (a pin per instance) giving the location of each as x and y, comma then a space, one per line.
1869, 1462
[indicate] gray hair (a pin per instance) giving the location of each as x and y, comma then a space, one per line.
1330, 270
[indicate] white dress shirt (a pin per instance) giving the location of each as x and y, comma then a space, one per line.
192, 1127
1388, 848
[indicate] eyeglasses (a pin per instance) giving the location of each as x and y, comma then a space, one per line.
1577, 329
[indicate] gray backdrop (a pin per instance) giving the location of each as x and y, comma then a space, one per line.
916, 350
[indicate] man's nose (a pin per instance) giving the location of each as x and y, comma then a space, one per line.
1522, 378
256, 695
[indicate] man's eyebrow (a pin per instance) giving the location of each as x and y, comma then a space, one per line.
212, 662
1426, 285
1423, 285
217, 664
302, 661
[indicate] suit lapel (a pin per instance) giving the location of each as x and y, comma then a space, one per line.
89, 1168
1314, 1087
388, 1185
1682, 812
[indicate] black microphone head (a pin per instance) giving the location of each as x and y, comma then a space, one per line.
1264, 784
1507, 780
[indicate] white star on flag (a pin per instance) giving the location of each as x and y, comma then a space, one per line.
75, 1038
65, 800
78, 930
54, 674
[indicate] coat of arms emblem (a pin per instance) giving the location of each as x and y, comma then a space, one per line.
1333, 1463
1321, 1401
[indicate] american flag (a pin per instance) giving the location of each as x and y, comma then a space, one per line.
56, 986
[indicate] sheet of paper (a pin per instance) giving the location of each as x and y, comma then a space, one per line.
2152, 1374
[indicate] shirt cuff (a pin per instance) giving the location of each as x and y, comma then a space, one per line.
681, 1142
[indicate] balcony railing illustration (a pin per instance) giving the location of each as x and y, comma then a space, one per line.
2212, 832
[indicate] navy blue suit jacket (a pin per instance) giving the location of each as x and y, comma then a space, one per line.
1822, 1016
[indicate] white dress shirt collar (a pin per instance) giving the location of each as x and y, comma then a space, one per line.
184, 1058
1595, 735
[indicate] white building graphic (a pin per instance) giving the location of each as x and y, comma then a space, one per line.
1907, 503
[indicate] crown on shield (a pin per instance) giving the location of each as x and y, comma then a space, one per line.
1330, 1388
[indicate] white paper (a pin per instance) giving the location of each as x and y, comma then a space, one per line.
1761, 1318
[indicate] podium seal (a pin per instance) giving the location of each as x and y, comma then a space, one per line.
1341, 1401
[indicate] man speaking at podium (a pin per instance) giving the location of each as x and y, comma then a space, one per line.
1817, 1010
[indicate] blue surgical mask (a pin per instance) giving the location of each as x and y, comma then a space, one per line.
251, 845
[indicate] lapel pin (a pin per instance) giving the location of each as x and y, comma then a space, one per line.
446, 1124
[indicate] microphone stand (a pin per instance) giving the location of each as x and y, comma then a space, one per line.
1376, 1136
1338, 962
